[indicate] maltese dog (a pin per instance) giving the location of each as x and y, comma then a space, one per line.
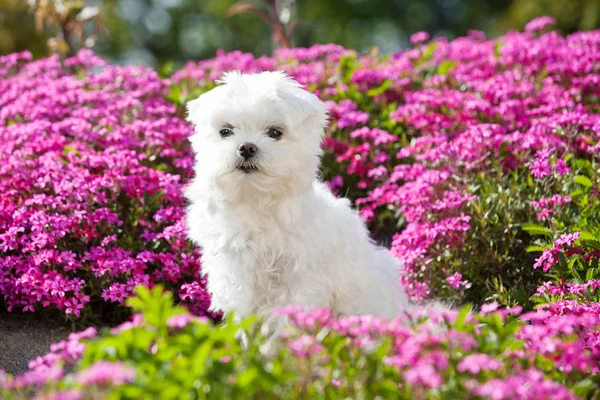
272, 234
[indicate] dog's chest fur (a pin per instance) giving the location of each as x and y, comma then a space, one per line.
253, 261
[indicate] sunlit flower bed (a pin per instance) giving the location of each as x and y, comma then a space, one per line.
476, 160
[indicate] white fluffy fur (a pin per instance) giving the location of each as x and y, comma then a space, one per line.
278, 236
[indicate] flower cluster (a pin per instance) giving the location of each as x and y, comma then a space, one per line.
496, 354
90, 190
431, 357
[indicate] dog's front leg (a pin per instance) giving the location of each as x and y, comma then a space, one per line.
229, 282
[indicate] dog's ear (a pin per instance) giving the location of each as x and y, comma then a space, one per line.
308, 110
199, 109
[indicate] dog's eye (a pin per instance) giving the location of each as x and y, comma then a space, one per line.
225, 132
274, 133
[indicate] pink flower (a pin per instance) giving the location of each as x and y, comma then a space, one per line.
418, 38
528, 384
539, 23
181, 320
455, 281
475, 363
566, 239
423, 374
547, 260
540, 168
77, 136
85, 334
136, 320
336, 183
544, 214
561, 168
4, 378
305, 346
105, 373
489, 307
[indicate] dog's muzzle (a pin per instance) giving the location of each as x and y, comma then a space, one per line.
246, 152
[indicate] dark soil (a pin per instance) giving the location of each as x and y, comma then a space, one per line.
23, 337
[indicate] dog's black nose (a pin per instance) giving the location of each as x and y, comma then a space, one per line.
246, 150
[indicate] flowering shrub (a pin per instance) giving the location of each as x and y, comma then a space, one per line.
90, 202
169, 354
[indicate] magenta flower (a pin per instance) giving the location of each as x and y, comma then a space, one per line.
105, 373
182, 320
539, 23
489, 307
475, 363
136, 320
540, 168
418, 38
455, 281
544, 214
305, 346
423, 375
561, 167
336, 183
528, 384
566, 239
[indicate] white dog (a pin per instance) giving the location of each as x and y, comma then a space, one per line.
271, 233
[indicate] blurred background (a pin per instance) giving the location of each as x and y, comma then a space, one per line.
152, 32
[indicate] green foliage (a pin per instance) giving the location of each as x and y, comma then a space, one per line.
197, 360
506, 237
579, 262
494, 254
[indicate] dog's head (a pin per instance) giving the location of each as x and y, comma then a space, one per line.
257, 136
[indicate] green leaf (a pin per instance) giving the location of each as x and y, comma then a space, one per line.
589, 274
583, 388
534, 229
583, 180
429, 51
69, 149
462, 317
246, 377
576, 193
586, 235
538, 299
348, 64
200, 357
498, 48
562, 266
589, 239
535, 249
595, 244
572, 263
380, 89
543, 363
445, 67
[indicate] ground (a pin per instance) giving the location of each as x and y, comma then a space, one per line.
23, 337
